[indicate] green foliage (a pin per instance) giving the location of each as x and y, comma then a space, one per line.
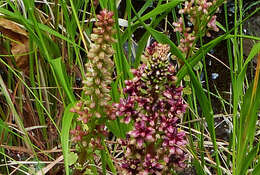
57, 53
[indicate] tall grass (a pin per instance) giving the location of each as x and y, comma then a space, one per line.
36, 101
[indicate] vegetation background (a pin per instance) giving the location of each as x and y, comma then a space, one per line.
43, 49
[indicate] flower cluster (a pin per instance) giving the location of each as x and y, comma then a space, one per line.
92, 111
155, 105
197, 12
77, 133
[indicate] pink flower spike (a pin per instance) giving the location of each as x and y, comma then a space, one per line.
179, 151
140, 143
172, 150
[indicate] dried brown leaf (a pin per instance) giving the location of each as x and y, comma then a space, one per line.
19, 42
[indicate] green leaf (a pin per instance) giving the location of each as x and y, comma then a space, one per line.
248, 160
159, 10
147, 4
241, 77
256, 168
4, 129
61, 74
73, 157
198, 167
66, 123
103, 3
109, 161
104, 161
122, 66
249, 110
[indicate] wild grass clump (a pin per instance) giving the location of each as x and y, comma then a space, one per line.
119, 87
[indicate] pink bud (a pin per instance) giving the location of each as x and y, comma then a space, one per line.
139, 143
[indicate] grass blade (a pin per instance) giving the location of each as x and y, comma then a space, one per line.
60, 72
66, 123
